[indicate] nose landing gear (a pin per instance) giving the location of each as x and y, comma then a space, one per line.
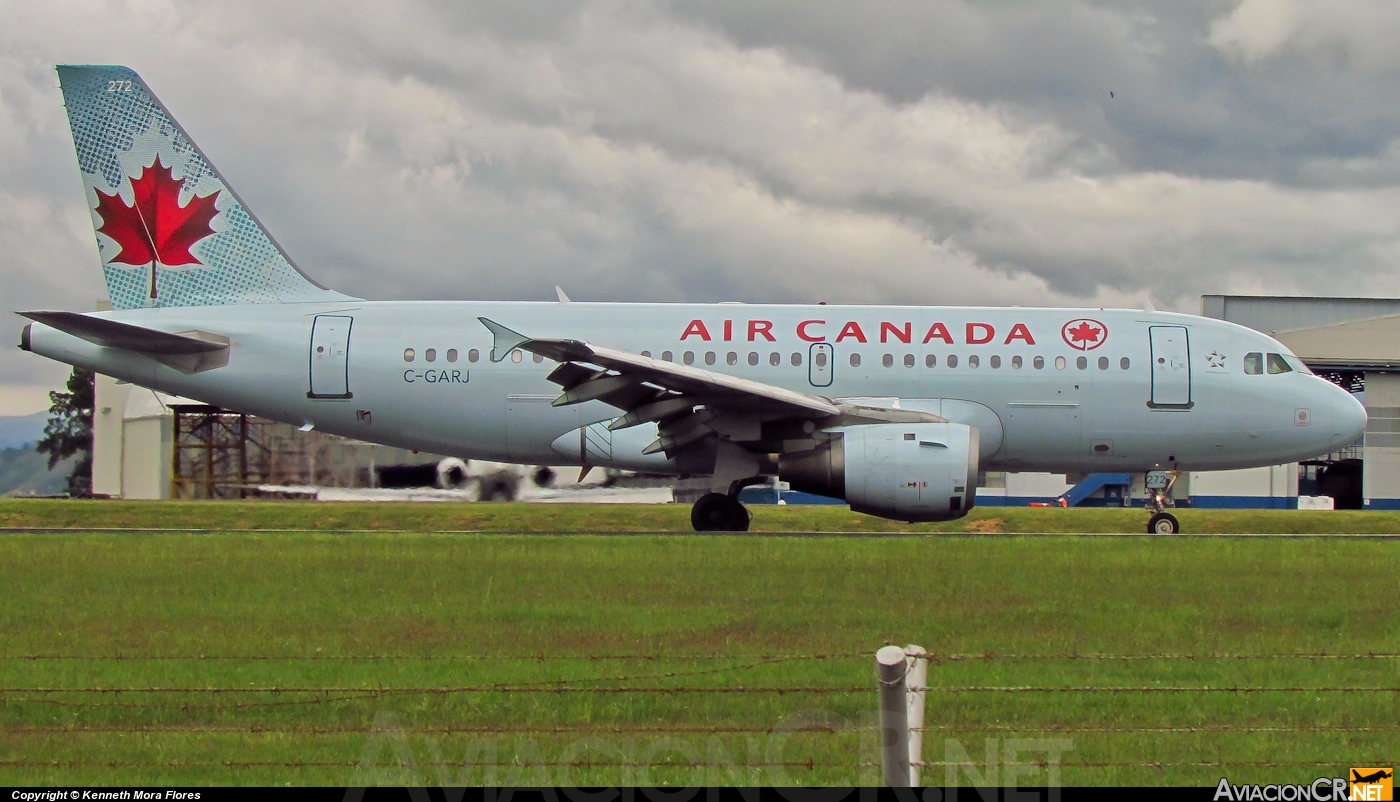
718, 512
1159, 488
1163, 523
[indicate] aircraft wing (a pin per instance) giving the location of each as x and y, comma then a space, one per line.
687, 403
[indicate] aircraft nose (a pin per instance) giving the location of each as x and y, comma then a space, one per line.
1348, 418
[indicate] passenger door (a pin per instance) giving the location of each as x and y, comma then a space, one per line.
330, 357
1171, 367
820, 365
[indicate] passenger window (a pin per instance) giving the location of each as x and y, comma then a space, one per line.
973, 361
952, 360
908, 360
855, 360
1059, 363
408, 354
430, 355
1103, 363
452, 355
1016, 362
930, 361
666, 356
995, 361
646, 354
796, 359
1277, 364
887, 360
731, 358
753, 358
1038, 362
1123, 363
516, 356
709, 357
821, 359
688, 357
1082, 362
775, 359
473, 355
539, 358
1254, 363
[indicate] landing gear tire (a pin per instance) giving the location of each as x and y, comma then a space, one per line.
716, 512
1163, 523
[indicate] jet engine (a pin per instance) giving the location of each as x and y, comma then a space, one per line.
908, 472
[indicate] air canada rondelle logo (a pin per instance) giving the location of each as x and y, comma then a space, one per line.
1084, 334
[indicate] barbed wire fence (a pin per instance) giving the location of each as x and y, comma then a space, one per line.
903, 688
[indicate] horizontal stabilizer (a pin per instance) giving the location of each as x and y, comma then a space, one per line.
112, 334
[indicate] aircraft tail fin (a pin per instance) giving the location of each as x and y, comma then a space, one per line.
170, 230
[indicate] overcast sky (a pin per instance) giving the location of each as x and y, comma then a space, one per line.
931, 151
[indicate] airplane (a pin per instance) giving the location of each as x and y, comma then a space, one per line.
1373, 777
894, 409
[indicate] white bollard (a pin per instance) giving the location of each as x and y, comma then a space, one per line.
894, 717
916, 680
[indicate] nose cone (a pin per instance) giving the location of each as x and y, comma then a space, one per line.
1348, 418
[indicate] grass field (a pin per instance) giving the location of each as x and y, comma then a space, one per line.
313, 657
535, 518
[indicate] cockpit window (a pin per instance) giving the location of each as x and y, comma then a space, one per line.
1254, 363
1297, 364
1277, 364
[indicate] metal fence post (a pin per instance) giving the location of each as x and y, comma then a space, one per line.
894, 717
916, 681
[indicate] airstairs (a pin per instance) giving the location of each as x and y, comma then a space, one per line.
1093, 482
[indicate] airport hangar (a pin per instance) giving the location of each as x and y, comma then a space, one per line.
149, 446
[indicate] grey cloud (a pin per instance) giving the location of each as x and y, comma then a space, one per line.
928, 152
1185, 100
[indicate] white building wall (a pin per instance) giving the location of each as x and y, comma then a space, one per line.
146, 457
148, 445
1269, 481
1049, 485
109, 412
1380, 481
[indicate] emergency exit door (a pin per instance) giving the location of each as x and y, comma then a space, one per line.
330, 357
819, 365
1171, 367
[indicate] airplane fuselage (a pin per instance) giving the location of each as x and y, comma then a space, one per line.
1047, 389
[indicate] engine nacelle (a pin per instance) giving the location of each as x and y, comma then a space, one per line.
906, 471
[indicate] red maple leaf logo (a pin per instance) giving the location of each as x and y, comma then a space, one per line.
156, 228
1084, 334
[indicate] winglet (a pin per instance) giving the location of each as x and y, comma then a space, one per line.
505, 339
563, 299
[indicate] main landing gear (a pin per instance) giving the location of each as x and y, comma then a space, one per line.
718, 512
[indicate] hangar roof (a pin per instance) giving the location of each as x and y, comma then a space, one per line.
1370, 343
1360, 334
1274, 313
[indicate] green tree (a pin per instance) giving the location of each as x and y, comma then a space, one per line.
69, 430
